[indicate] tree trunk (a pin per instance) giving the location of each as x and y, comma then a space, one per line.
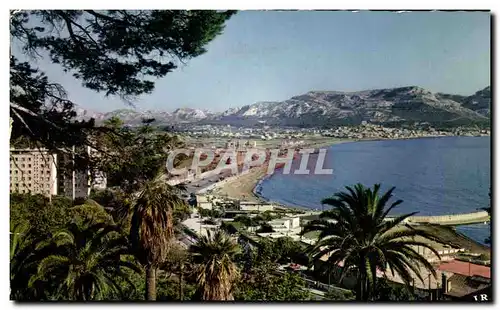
361, 288
150, 283
358, 288
366, 290
181, 280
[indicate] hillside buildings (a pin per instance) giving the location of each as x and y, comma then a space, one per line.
455, 279
39, 171
293, 134
240, 144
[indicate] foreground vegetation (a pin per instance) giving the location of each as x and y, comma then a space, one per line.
63, 251
84, 252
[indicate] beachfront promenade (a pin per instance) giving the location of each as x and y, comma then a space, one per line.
452, 219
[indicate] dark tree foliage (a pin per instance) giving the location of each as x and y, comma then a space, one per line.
41, 110
131, 157
288, 249
43, 216
265, 228
336, 294
181, 213
259, 280
24, 262
117, 52
209, 213
387, 291
246, 220
228, 228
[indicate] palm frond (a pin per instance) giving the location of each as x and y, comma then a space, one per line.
356, 232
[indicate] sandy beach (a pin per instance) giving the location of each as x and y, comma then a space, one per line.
243, 186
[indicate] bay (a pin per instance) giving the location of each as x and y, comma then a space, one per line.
434, 176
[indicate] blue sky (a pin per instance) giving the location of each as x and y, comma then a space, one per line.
267, 56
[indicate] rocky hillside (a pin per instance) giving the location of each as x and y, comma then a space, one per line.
480, 102
404, 104
134, 117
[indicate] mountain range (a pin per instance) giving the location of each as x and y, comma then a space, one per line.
393, 105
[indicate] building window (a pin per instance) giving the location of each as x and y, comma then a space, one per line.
23, 159
29, 158
29, 165
15, 171
48, 171
16, 159
29, 178
29, 171
41, 165
22, 165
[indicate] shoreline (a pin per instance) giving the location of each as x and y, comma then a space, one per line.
261, 180
246, 186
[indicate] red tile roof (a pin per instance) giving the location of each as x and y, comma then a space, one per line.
465, 268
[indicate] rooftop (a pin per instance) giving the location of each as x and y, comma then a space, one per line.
463, 285
465, 268
250, 203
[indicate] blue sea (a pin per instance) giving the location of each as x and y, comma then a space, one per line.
434, 176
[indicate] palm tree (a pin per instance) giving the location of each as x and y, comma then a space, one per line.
358, 233
176, 262
84, 261
217, 272
23, 263
152, 227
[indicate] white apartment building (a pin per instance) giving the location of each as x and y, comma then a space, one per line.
77, 184
33, 171
74, 184
36, 171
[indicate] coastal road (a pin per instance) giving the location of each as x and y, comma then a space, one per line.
200, 184
195, 224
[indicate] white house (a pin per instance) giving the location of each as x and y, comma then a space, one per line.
286, 224
203, 202
252, 206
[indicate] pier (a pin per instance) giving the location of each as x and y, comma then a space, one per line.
443, 220
452, 219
